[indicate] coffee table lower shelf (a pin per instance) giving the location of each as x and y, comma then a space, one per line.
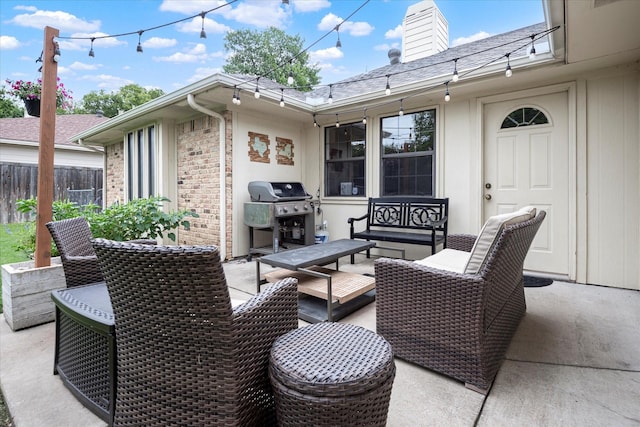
349, 292
314, 310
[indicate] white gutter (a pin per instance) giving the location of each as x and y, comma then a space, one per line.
191, 100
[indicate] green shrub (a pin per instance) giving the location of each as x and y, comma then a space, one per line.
138, 219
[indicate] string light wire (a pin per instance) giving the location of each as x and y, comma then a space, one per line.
530, 40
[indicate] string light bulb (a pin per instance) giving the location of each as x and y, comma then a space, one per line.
337, 121
315, 123
338, 43
256, 93
234, 99
455, 71
56, 52
330, 100
91, 54
447, 96
387, 90
139, 48
364, 117
290, 78
281, 97
532, 52
401, 112
508, 72
203, 34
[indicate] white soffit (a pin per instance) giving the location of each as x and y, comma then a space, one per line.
601, 28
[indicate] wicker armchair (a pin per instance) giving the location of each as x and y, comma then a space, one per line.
184, 356
458, 324
79, 261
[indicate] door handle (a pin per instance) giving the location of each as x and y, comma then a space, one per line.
487, 196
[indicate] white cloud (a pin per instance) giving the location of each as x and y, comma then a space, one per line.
63, 71
472, 38
197, 53
329, 22
384, 47
395, 33
82, 66
9, 42
106, 81
158, 43
81, 41
190, 7
203, 72
259, 13
303, 6
195, 25
356, 29
63, 21
323, 57
29, 8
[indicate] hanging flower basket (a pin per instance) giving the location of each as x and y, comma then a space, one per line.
33, 107
29, 92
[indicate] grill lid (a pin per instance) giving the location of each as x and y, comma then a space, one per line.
264, 191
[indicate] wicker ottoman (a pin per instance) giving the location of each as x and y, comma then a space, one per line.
331, 374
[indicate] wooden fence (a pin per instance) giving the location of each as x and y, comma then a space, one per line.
20, 181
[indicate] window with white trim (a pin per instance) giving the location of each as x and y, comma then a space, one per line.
140, 151
526, 116
408, 155
345, 153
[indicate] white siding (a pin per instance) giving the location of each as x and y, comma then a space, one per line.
613, 181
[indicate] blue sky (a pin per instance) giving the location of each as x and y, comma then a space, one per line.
175, 56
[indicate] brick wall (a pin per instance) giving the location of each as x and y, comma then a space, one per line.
114, 184
199, 180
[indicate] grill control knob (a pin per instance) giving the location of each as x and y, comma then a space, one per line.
295, 208
285, 210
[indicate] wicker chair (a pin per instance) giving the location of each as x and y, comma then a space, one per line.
73, 240
184, 356
458, 324
79, 261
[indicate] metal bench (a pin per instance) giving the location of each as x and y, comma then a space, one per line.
411, 220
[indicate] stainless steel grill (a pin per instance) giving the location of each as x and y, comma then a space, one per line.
285, 209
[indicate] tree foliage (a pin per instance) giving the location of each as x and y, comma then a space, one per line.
112, 103
272, 54
8, 107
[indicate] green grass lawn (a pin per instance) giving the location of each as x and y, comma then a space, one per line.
9, 235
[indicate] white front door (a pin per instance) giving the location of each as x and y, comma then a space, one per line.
526, 162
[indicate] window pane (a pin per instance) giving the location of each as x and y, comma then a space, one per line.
151, 150
140, 164
526, 116
407, 176
345, 152
408, 154
130, 163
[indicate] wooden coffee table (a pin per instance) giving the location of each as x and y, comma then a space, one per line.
344, 292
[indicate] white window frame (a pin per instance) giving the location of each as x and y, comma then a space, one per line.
141, 162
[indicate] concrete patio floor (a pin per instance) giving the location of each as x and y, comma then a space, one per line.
574, 361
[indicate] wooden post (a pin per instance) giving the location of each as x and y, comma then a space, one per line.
46, 150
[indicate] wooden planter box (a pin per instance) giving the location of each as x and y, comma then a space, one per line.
26, 293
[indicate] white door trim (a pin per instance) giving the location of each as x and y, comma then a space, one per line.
570, 89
